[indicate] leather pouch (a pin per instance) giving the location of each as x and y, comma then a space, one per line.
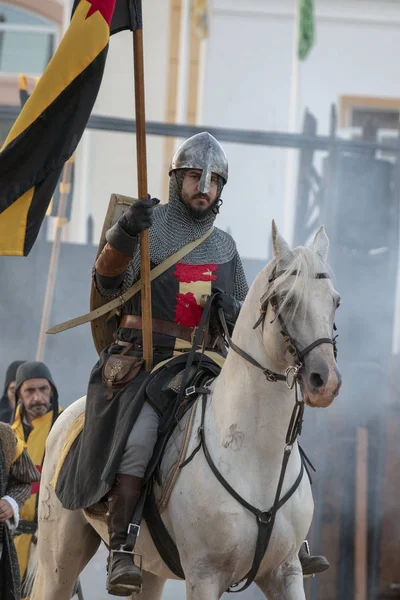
119, 369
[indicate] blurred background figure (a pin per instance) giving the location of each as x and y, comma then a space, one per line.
7, 402
17, 473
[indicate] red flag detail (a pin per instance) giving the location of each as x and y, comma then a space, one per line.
105, 8
187, 311
189, 273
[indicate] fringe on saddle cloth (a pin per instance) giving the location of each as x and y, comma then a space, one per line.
95, 443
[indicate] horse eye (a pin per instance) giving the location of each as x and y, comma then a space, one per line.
288, 302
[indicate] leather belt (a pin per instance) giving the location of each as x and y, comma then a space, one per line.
160, 326
26, 527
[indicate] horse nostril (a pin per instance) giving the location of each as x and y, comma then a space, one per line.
316, 380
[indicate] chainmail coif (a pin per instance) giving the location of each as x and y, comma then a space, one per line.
174, 227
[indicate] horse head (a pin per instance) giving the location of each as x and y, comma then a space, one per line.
298, 306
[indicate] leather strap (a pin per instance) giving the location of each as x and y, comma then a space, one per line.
26, 527
160, 326
120, 301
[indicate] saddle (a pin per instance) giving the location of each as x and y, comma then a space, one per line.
165, 385
172, 393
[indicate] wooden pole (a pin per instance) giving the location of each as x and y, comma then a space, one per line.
361, 516
55, 254
147, 330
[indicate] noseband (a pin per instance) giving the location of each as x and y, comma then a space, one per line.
292, 373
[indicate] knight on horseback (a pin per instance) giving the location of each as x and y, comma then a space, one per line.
122, 422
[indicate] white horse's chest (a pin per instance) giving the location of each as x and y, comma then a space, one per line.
213, 530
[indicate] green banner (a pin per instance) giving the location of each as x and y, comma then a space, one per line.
306, 28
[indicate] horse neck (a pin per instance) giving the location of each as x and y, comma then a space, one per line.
243, 397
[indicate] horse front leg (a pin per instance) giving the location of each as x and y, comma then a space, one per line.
202, 589
66, 543
207, 577
286, 583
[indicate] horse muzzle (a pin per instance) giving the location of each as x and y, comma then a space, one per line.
320, 383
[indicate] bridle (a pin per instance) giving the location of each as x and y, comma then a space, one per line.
293, 372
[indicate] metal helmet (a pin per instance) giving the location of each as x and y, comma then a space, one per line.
202, 151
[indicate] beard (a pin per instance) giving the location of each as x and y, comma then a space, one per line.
201, 212
39, 409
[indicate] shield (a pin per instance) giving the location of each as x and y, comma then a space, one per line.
104, 328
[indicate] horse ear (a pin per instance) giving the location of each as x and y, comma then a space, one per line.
321, 244
281, 248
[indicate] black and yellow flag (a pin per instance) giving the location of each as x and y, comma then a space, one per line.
54, 117
65, 185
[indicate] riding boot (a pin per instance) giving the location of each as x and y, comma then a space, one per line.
124, 577
311, 564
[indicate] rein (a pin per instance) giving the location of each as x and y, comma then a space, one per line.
265, 519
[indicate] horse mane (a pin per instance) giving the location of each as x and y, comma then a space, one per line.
297, 271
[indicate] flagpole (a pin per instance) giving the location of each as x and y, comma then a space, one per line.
147, 329
290, 172
54, 258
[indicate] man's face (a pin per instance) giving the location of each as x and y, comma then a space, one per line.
35, 395
198, 204
11, 394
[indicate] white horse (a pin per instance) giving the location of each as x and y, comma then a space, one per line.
245, 426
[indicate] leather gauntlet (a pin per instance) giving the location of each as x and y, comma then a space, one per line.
112, 262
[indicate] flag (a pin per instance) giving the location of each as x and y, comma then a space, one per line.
51, 123
200, 17
65, 185
306, 28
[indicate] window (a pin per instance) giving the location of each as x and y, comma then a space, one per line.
371, 118
27, 40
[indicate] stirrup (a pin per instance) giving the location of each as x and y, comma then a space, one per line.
307, 550
123, 589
